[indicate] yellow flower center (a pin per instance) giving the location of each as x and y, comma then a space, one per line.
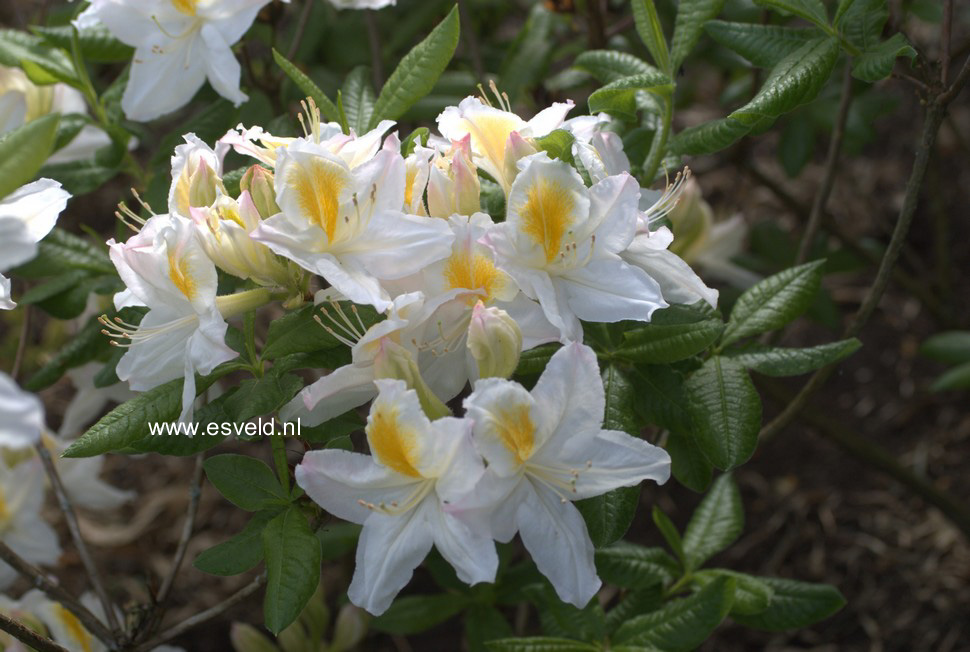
547, 215
473, 272
187, 7
178, 271
318, 185
394, 446
490, 133
516, 431
412, 174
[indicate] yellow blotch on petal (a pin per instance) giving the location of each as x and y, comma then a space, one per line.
516, 431
393, 445
547, 215
489, 134
187, 7
318, 185
474, 272
412, 174
75, 630
178, 271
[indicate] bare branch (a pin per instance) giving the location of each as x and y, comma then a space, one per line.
26, 635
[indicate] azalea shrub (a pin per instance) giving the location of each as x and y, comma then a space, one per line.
475, 312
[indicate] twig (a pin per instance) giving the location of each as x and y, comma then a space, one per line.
195, 492
945, 31
26, 635
374, 38
18, 360
878, 458
56, 592
831, 164
202, 617
300, 29
65, 504
961, 80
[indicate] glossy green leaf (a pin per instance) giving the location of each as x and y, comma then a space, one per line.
61, 252
246, 482
565, 620
811, 10
708, 137
681, 625
660, 397
688, 463
299, 332
774, 301
24, 150
795, 80
88, 344
715, 524
651, 33
726, 412
632, 566
309, 87
484, 623
413, 614
17, 47
358, 99
263, 396
794, 605
691, 17
861, 22
418, 71
670, 534
539, 644
763, 45
663, 343
751, 594
292, 554
534, 361
619, 97
775, 361
950, 347
877, 64
558, 144
97, 44
241, 553
634, 603
610, 65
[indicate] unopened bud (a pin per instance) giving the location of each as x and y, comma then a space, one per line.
246, 638
395, 361
516, 148
494, 341
260, 184
691, 221
350, 629
202, 185
468, 188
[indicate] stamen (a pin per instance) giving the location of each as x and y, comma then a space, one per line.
670, 197
422, 489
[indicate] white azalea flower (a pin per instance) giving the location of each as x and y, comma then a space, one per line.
22, 101
21, 416
196, 175
400, 496
166, 269
498, 136
544, 449
362, 4
178, 45
22, 527
26, 216
345, 223
561, 243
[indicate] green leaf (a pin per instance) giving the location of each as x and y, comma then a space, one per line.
97, 44
691, 16
416, 613
660, 397
263, 396
619, 97
950, 347
417, 137
539, 644
484, 623
246, 482
793, 362
956, 378
80, 177
751, 594
688, 463
811, 10
651, 33
528, 56
726, 412
358, 99
794, 605
61, 251
631, 566
763, 45
178, 445
670, 534
610, 65
681, 625
89, 344
709, 137
418, 71
293, 560
129, 422
634, 603
239, 554
558, 144
307, 86
861, 22
24, 150
877, 64
774, 301
795, 80
566, 620
298, 332
665, 343
534, 361
18, 47
716, 523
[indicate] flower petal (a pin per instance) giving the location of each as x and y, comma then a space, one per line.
609, 290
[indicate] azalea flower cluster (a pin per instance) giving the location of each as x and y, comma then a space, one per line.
401, 229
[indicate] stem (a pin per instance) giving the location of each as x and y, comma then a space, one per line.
374, 39
195, 492
945, 31
57, 593
279, 459
18, 360
678, 585
82, 549
26, 635
203, 617
831, 163
659, 145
